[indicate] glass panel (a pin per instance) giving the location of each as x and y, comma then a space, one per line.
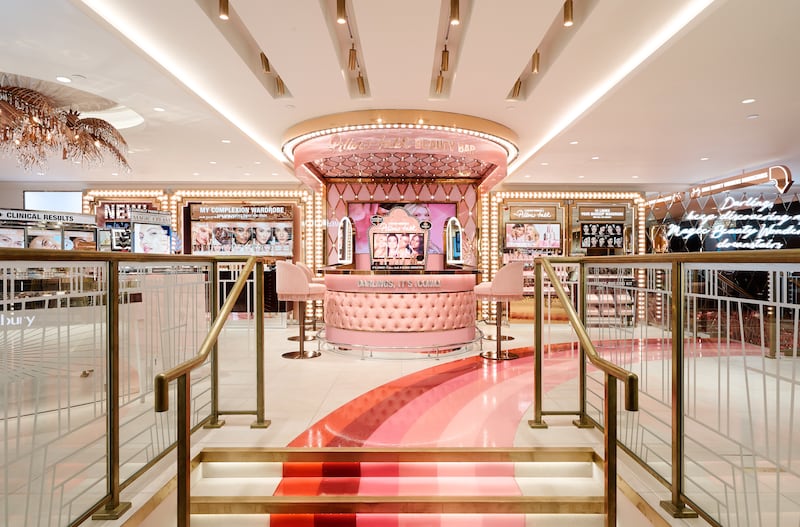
53, 337
164, 318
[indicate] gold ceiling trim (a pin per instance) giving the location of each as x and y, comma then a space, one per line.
401, 119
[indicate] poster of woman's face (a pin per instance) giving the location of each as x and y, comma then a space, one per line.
151, 239
12, 238
435, 213
80, 240
251, 237
43, 239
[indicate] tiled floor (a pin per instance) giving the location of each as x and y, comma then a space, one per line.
459, 400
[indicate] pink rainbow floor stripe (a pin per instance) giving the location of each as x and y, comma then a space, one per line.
470, 402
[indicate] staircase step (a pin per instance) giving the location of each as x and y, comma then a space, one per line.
330, 486
397, 505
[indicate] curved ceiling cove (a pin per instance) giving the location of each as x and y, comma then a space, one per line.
400, 145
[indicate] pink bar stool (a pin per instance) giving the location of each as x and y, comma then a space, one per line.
314, 280
292, 284
504, 287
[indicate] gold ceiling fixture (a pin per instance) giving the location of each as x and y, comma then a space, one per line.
568, 20
455, 17
535, 62
439, 84
33, 128
224, 10
445, 59
280, 88
341, 12
515, 91
265, 63
362, 87
352, 58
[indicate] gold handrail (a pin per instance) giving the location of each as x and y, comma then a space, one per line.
181, 373
630, 379
612, 374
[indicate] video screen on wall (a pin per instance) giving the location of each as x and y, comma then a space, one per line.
533, 235
602, 235
392, 245
436, 213
247, 237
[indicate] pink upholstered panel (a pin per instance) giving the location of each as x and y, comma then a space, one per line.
415, 341
412, 312
506, 284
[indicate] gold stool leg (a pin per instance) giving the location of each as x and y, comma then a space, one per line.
302, 354
499, 354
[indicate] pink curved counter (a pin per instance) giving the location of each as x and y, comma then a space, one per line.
414, 311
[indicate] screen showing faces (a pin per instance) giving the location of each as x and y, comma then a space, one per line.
533, 235
602, 235
435, 213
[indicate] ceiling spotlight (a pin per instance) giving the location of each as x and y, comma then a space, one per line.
455, 18
516, 89
439, 83
748, 101
280, 88
568, 14
535, 62
265, 63
352, 59
62, 78
445, 59
341, 12
223, 9
362, 87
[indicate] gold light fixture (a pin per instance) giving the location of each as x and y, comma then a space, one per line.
455, 18
568, 21
515, 91
439, 83
352, 58
341, 12
280, 88
535, 62
223, 9
445, 59
362, 87
265, 63
33, 128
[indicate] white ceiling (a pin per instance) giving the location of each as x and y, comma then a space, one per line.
649, 104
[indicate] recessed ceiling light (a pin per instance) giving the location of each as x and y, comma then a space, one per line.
635, 177
573, 142
274, 173
226, 141
753, 116
213, 162
115, 173
195, 173
703, 159
595, 157
247, 173
258, 162
62, 78
158, 109
581, 177
544, 163
527, 175
748, 101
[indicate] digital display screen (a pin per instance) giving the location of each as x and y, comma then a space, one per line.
533, 235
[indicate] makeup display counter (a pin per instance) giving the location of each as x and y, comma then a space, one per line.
412, 310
